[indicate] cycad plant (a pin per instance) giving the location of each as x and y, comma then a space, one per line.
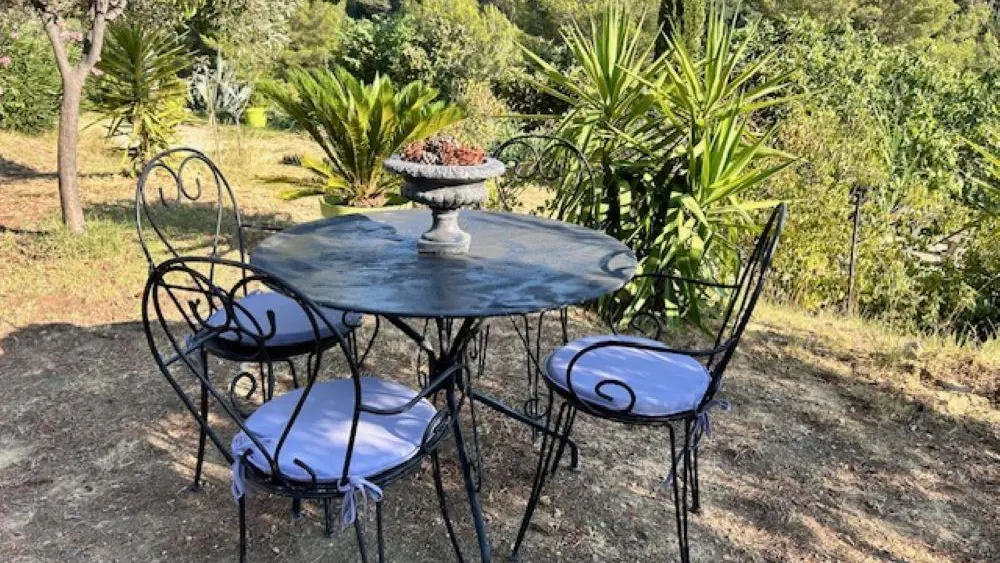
357, 126
139, 90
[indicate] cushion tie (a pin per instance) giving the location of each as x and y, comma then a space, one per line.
702, 427
355, 485
242, 443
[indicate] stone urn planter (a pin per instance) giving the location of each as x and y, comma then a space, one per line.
445, 189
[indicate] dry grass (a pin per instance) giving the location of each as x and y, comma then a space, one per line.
846, 443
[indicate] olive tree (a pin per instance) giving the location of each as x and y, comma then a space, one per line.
67, 22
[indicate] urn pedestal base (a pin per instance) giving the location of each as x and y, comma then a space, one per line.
444, 236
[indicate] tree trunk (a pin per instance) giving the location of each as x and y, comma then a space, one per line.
69, 117
671, 18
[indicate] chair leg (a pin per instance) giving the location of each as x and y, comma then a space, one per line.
564, 324
574, 461
327, 519
360, 535
477, 457
271, 382
243, 530
560, 433
678, 482
202, 436
378, 532
439, 487
296, 508
695, 485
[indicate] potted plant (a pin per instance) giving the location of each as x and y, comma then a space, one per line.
357, 126
256, 117
445, 175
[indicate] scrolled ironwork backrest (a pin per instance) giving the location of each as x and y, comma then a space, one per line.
178, 305
180, 186
750, 284
550, 165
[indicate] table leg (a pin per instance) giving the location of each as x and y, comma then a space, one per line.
450, 351
470, 485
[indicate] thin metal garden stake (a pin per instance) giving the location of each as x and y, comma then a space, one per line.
858, 193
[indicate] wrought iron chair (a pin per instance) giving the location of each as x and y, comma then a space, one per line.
344, 438
550, 176
182, 189
640, 381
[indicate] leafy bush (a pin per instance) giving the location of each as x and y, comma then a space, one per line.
29, 80
444, 43
139, 90
357, 126
315, 32
485, 123
889, 118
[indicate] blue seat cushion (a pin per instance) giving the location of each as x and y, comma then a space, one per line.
319, 437
291, 323
663, 383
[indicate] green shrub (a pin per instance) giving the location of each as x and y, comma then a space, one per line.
444, 43
484, 124
29, 80
314, 35
889, 118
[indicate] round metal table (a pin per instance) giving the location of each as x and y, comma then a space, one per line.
516, 264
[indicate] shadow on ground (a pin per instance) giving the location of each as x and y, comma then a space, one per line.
812, 464
13, 170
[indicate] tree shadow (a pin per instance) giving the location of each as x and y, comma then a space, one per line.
190, 227
13, 170
102, 452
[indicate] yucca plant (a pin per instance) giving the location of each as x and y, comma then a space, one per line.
723, 80
357, 126
139, 90
611, 108
692, 228
673, 139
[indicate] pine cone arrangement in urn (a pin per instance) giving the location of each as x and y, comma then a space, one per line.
444, 150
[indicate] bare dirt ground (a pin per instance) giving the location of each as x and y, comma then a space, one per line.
845, 443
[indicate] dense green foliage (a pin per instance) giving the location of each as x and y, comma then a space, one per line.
900, 97
357, 125
889, 118
29, 80
139, 91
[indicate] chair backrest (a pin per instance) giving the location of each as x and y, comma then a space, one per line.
184, 203
183, 309
749, 286
547, 175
